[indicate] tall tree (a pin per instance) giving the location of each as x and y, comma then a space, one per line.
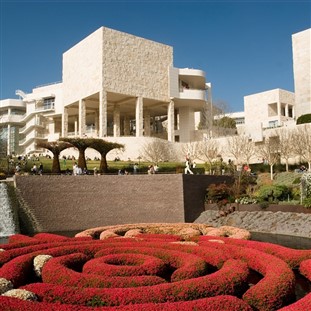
208, 151
56, 147
302, 143
191, 150
158, 150
235, 148
103, 147
287, 143
270, 151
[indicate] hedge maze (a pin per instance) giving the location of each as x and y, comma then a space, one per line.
153, 270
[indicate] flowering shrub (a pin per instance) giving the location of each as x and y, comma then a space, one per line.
150, 271
246, 200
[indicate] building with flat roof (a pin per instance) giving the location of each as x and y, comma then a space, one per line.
301, 43
12, 112
125, 89
116, 85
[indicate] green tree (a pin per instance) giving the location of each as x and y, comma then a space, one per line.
305, 118
225, 122
103, 147
81, 144
56, 147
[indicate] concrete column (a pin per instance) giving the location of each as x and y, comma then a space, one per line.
76, 128
116, 121
126, 125
147, 122
154, 127
139, 116
186, 124
9, 140
286, 110
96, 123
82, 117
278, 108
103, 103
65, 122
170, 122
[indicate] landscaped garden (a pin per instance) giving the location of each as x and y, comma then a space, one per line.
151, 267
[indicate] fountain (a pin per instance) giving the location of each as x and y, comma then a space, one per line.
8, 218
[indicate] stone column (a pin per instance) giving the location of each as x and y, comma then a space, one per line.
126, 126
103, 103
139, 116
76, 127
147, 122
65, 122
116, 121
170, 122
186, 124
96, 123
286, 110
82, 117
9, 140
278, 108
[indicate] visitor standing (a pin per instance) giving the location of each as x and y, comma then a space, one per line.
40, 168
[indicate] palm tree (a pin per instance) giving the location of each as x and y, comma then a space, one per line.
56, 147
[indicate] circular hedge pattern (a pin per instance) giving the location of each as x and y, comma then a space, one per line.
149, 271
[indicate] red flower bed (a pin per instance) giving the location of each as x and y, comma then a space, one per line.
152, 272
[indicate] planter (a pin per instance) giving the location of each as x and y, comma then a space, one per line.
258, 208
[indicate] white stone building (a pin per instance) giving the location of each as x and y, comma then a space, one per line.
12, 112
301, 44
270, 109
125, 89
119, 87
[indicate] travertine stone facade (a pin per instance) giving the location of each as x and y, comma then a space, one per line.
267, 109
116, 62
302, 71
131, 65
82, 68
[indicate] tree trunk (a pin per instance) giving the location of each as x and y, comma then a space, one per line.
81, 159
103, 163
271, 171
286, 165
55, 164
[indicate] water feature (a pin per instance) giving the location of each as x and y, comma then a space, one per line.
8, 207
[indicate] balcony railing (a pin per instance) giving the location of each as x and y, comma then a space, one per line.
35, 136
186, 93
50, 106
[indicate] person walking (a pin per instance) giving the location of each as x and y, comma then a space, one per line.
187, 168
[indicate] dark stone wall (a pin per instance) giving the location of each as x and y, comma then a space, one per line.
194, 188
73, 203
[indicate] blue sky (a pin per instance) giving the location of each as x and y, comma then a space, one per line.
244, 47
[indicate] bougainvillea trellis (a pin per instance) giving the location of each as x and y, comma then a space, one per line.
149, 272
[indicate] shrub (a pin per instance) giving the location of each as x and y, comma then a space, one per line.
306, 184
274, 193
307, 202
305, 118
218, 194
264, 205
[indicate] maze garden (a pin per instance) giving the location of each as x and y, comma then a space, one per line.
151, 267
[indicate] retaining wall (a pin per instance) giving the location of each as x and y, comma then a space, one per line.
72, 203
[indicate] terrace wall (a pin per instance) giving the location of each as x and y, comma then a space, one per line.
73, 203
